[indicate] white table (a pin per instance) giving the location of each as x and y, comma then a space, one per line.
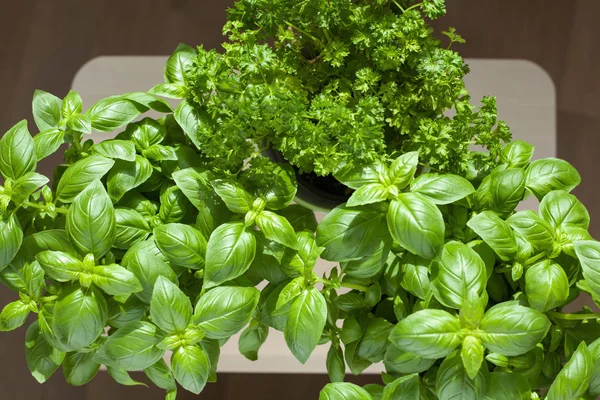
526, 101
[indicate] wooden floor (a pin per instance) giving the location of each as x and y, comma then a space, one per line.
43, 43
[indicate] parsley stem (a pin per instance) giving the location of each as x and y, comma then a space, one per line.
304, 33
43, 207
573, 317
413, 7
398, 5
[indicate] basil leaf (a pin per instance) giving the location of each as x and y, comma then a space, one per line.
71, 104
178, 63
344, 391
191, 367
234, 195
277, 228
224, 311
169, 90
115, 280
460, 271
125, 176
351, 233
53, 239
81, 174
416, 224
301, 218
251, 340
147, 263
305, 323
26, 185
192, 121
46, 110
373, 343
400, 361
91, 222
508, 386
336, 367
517, 154
48, 142
160, 374
415, 278
368, 266
452, 381
79, 368
403, 169
181, 244
11, 238
61, 267
561, 209
533, 228
170, 308
120, 313
442, 189
472, 355
496, 233
145, 101
548, 174
404, 388
80, 123
132, 228
229, 253
574, 379
116, 149
355, 176
17, 152
427, 333
588, 253
13, 316
546, 286
173, 205
507, 189
511, 329
111, 113
79, 318
42, 359
132, 347
122, 377
290, 292
158, 152
368, 194
146, 133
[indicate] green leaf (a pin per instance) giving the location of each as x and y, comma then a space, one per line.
160, 374
46, 110
158, 152
336, 367
71, 104
116, 149
506, 189
416, 224
79, 368
305, 323
496, 233
403, 169
415, 278
11, 238
61, 267
192, 121
400, 361
290, 292
561, 209
511, 329
173, 205
368, 194
427, 333
277, 228
508, 386
279, 190
355, 176
442, 189
17, 152
251, 340
233, 194
145, 101
574, 379
351, 233
183, 245
191, 368
224, 311
120, 312
517, 154
548, 174
132, 228
169, 90
80, 175
13, 315
122, 377
178, 63
80, 123
146, 133
111, 113
373, 343
41, 358
344, 391
48, 142
115, 280
301, 218
533, 228
132, 347
125, 176
229, 253
170, 308
79, 317
546, 286
404, 388
91, 222
452, 381
53, 239
588, 253
472, 355
26, 185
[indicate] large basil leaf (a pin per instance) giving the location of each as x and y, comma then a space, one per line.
561, 209
588, 253
546, 286
452, 381
192, 121
17, 152
46, 110
224, 311
400, 361
351, 233
181, 244
496, 233
60, 266
416, 224
11, 238
533, 228
460, 271
506, 189
233, 194
442, 189
79, 368
427, 333
170, 308
79, 317
229, 253
548, 174
132, 347
574, 379
508, 386
48, 142
115, 280
132, 228
304, 326
344, 391
178, 64
191, 367
126, 175
42, 359
111, 113
91, 222
116, 149
277, 228
404, 388
511, 329
81, 174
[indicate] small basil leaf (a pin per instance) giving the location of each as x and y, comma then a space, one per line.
301, 218
453, 382
400, 361
561, 209
132, 228
191, 368
80, 123
159, 152
145, 133
192, 121
48, 142
415, 279
278, 188
277, 228
233, 194
53, 239
81, 174
17, 152
344, 391
546, 286
548, 174
588, 253
42, 359
533, 228
404, 388
125, 176
13, 315
368, 194
517, 154
79, 368
508, 386
71, 104
496, 233
170, 308
305, 323
173, 205
251, 340
290, 292
472, 355
373, 343
178, 64
169, 90
46, 110
112, 113
183, 245
60, 266
506, 189
116, 149
355, 176
403, 169
336, 367
26, 185
115, 280
11, 237
121, 313
160, 374
442, 189
122, 377
574, 379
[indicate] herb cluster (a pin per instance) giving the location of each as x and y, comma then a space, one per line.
154, 243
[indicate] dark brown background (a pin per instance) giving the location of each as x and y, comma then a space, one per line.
43, 43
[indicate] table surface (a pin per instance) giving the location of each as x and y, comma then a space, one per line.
526, 101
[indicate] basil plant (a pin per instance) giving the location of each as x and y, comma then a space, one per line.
147, 248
